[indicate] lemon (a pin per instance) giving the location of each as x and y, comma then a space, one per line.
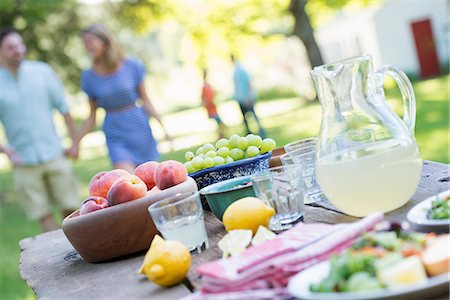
166, 262
235, 242
247, 213
262, 235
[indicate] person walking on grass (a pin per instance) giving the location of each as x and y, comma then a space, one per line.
29, 92
245, 95
116, 83
208, 102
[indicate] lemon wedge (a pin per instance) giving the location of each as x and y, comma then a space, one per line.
235, 242
262, 235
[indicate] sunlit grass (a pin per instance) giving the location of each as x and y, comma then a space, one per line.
285, 120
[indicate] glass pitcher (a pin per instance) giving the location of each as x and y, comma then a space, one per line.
367, 157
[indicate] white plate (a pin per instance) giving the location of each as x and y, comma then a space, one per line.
299, 287
417, 215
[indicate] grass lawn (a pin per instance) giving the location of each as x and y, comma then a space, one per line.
285, 120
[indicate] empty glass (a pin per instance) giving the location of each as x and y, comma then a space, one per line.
300, 144
304, 155
180, 218
280, 188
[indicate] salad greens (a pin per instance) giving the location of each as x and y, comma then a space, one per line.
356, 268
440, 209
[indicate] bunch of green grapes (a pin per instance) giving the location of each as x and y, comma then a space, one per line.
226, 151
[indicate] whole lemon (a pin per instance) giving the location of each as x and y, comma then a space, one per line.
247, 213
166, 262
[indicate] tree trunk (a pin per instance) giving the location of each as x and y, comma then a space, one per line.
305, 32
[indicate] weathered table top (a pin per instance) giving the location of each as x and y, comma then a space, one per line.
54, 270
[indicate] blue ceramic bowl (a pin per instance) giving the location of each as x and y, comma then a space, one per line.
235, 169
221, 194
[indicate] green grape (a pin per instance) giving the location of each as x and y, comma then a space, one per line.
189, 167
223, 151
211, 153
221, 143
232, 143
208, 162
208, 147
218, 160
267, 145
203, 156
252, 151
228, 160
242, 143
254, 140
189, 155
197, 162
236, 154
200, 150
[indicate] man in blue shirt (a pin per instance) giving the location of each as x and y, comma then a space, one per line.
244, 95
29, 90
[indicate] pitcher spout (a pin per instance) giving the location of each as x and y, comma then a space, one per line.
344, 80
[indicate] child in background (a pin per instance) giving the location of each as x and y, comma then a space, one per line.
208, 103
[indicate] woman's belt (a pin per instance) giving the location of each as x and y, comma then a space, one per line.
131, 105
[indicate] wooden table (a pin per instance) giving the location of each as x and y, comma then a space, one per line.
54, 270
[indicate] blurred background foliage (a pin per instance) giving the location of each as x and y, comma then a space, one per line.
51, 27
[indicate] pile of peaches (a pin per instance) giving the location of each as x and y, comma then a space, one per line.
108, 188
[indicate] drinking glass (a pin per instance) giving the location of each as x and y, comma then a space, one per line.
280, 188
300, 144
304, 155
180, 218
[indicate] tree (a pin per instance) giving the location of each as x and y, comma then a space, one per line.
51, 28
234, 20
303, 29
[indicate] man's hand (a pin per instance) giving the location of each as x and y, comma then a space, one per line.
12, 155
72, 152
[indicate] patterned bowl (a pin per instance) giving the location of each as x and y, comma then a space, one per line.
235, 169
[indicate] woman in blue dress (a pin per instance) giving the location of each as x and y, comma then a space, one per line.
115, 83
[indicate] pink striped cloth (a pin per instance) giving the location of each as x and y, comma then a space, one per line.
263, 271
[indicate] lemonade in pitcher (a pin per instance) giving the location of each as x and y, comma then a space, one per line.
359, 186
367, 159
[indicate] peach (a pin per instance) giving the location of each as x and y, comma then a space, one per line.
126, 188
102, 182
93, 203
94, 183
146, 172
170, 173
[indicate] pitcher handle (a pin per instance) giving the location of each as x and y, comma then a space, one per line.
406, 89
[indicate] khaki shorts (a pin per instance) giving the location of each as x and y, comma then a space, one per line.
40, 188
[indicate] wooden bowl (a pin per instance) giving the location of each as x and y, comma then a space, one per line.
117, 230
275, 159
